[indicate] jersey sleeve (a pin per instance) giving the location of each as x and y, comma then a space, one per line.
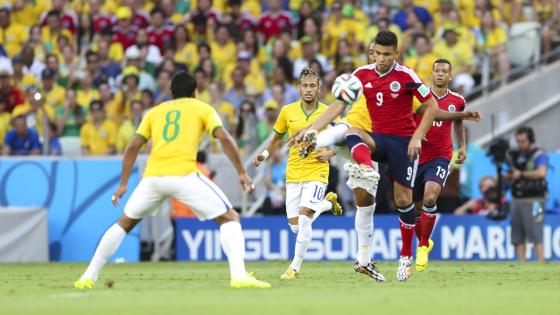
417, 87
281, 126
212, 122
541, 160
145, 128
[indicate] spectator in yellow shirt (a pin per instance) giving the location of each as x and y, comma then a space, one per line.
129, 126
52, 31
99, 136
223, 49
12, 35
54, 94
87, 92
423, 59
338, 27
185, 50
493, 39
461, 56
20, 79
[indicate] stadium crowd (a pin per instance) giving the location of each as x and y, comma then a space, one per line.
91, 68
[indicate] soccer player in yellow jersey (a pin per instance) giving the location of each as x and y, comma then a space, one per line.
306, 177
176, 128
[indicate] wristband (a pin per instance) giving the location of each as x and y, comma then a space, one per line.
265, 153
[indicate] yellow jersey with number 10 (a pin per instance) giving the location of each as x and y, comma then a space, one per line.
293, 118
176, 128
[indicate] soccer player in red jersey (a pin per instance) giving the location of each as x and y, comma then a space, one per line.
435, 158
396, 139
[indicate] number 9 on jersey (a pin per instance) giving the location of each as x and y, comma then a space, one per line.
347, 88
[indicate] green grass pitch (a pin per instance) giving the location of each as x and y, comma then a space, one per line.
323, 288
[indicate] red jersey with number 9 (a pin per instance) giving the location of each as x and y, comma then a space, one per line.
438, 142
389, 98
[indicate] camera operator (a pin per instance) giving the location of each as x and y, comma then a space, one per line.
527, 178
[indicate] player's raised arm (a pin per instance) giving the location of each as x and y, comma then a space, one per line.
130, 155
442, 115
232, 151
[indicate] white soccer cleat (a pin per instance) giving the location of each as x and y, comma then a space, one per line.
405, 268
362, 172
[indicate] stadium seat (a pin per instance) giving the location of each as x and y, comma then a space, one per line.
524, 43
70, 146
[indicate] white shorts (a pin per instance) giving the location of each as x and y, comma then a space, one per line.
205, 199
306, 194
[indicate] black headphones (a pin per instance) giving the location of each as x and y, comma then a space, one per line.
529, 132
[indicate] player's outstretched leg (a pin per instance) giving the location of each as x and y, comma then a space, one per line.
108, 245
233, 243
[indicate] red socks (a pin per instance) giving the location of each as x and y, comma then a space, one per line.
427, 221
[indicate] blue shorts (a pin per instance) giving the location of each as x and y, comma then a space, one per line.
436, 171
393, 150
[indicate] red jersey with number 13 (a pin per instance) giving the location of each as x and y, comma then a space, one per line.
438, 142
389, 98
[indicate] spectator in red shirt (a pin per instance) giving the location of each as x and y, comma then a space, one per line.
124, 32
68, 19
159, 32
139, 18
99, 19
273, 21
9, 94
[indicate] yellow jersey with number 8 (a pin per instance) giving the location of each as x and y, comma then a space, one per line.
293, 118
176, 128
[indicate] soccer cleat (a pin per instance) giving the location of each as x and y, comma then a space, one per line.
290, 274
361, 172
336, 207
422, 256
370, 270
308, 144
84, 283
249, 282
405, 268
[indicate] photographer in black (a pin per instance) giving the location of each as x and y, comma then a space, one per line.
527, 177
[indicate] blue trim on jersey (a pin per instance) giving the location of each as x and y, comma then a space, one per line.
217, 194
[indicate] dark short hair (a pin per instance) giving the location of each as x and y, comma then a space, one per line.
526, 131
445, 61
157, 10
387, 38
183, 85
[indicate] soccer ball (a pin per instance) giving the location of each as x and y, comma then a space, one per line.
347, 88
